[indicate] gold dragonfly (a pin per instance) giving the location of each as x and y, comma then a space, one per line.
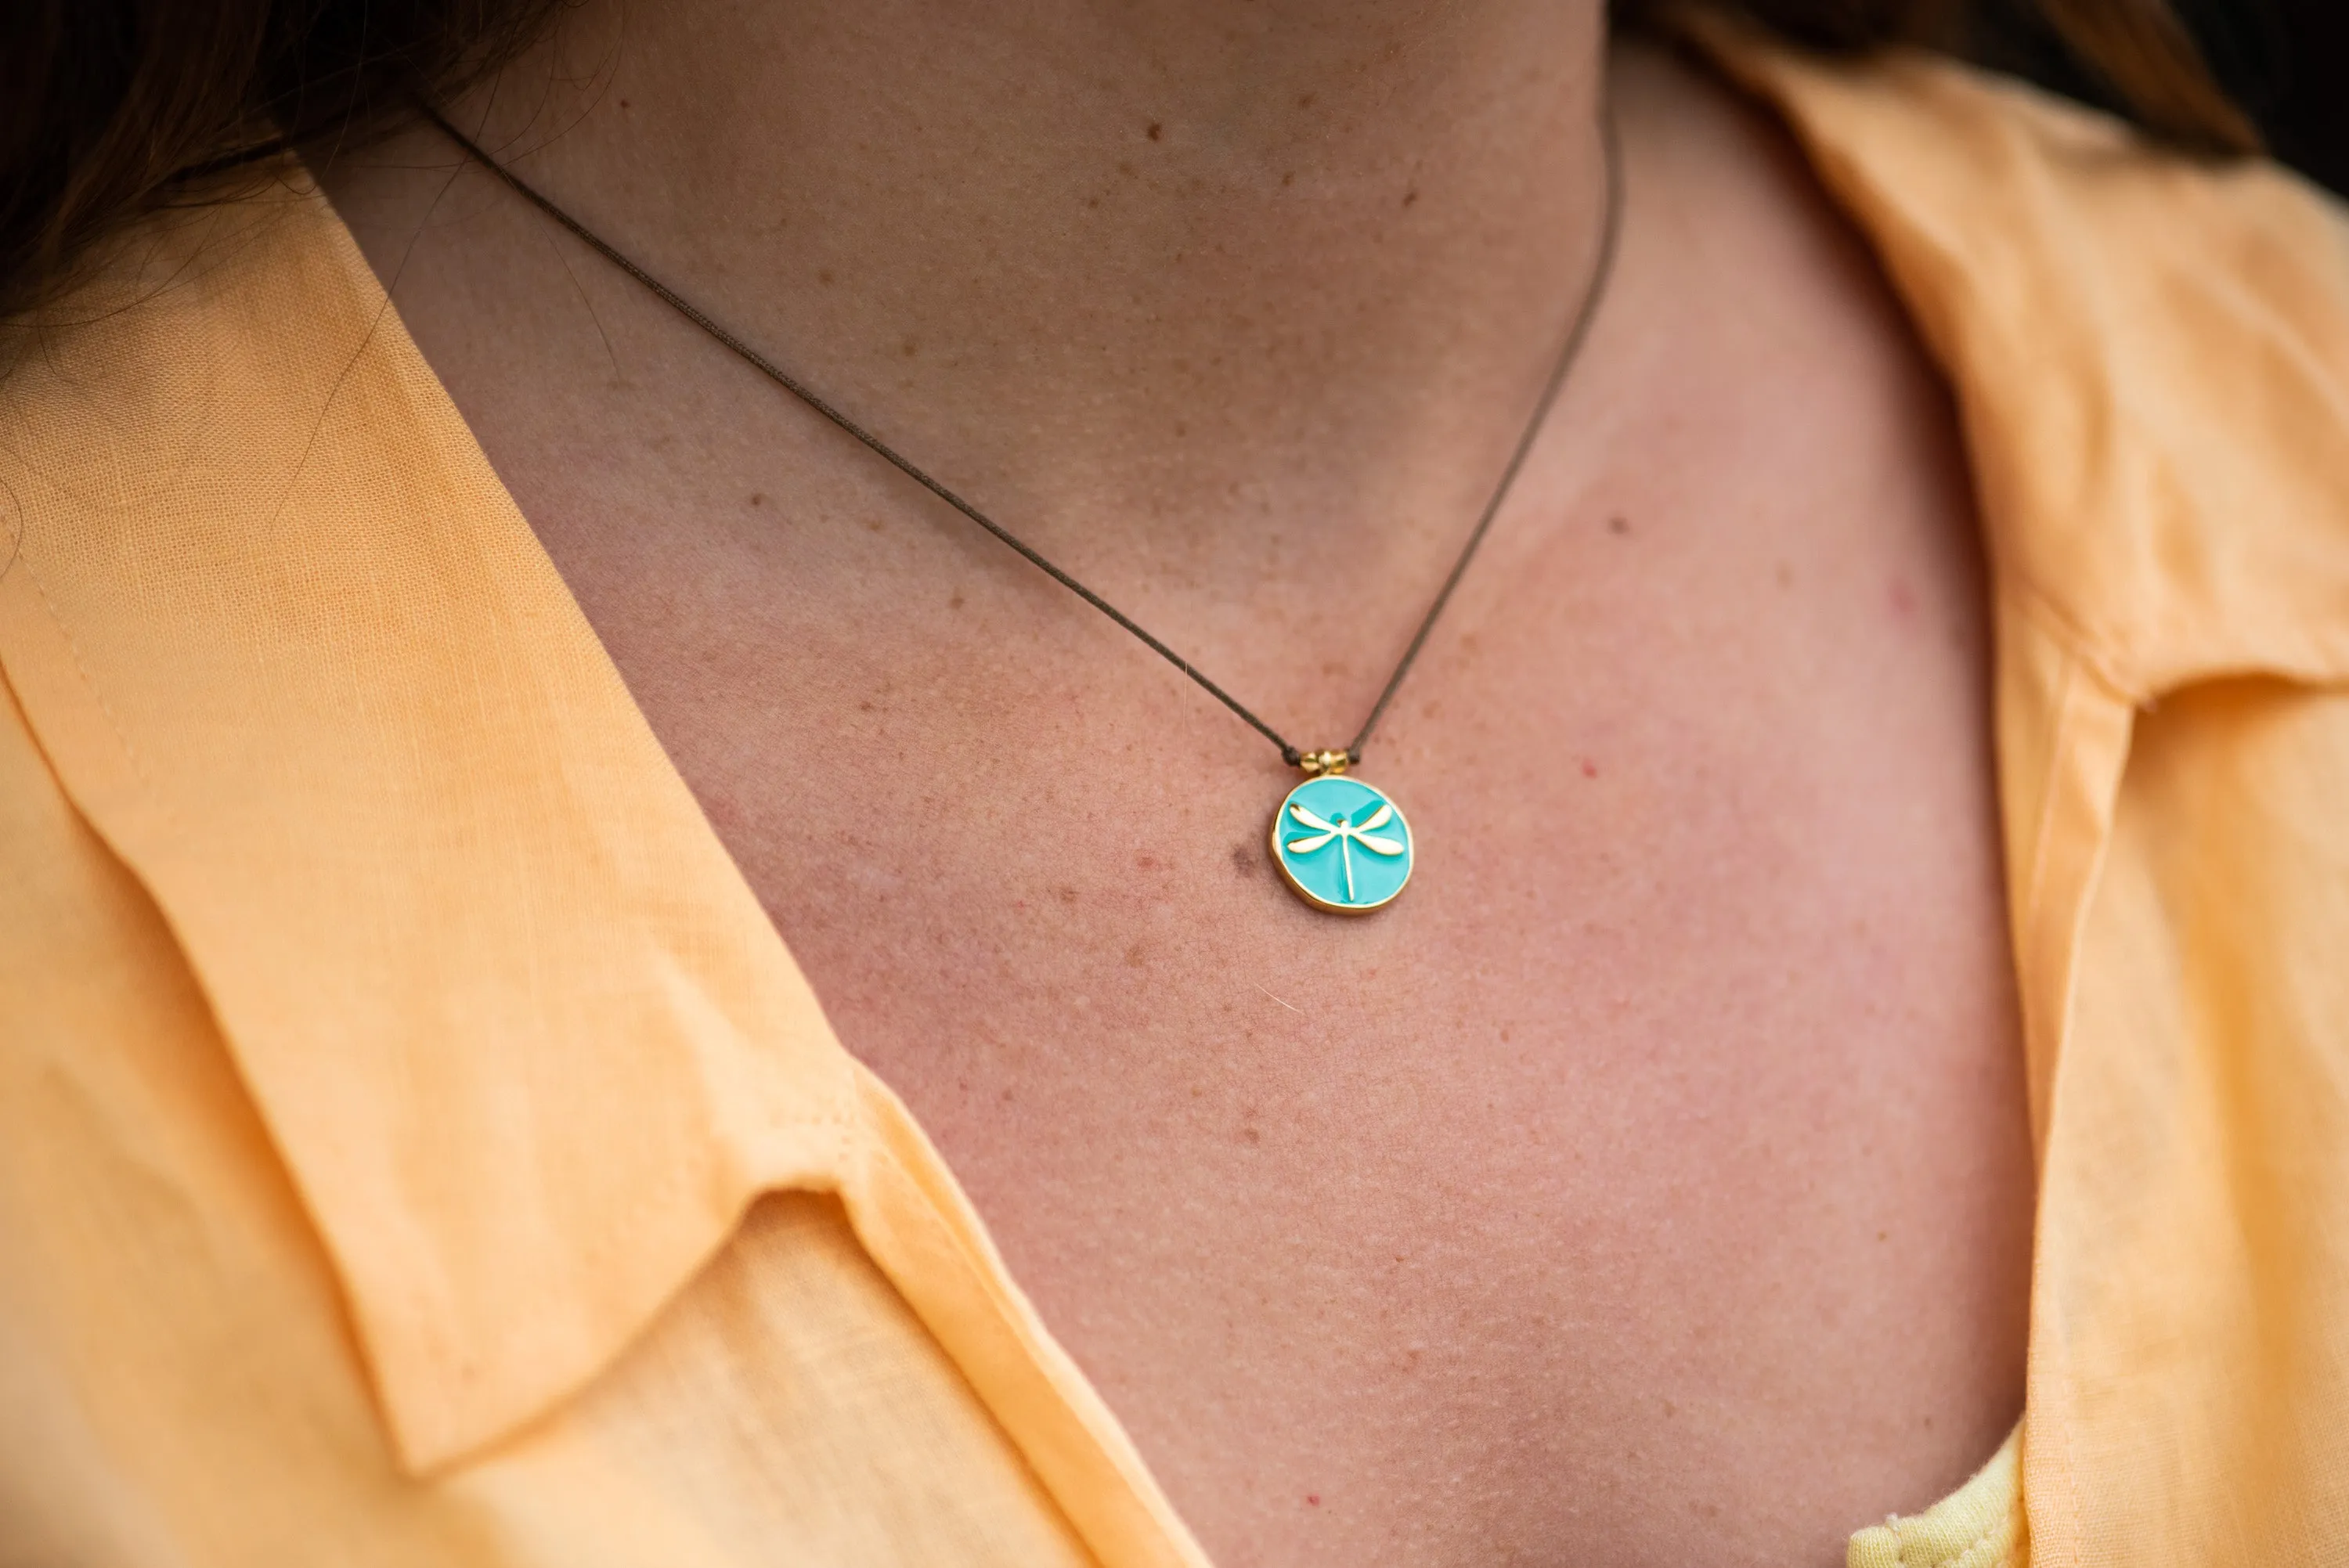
1346, 835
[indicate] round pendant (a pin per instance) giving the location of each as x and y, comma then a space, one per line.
1342, 845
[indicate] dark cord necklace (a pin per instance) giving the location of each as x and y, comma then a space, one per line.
1328, 811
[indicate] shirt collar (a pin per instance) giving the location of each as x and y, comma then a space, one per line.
526, 1042
2150, 356
524, 1039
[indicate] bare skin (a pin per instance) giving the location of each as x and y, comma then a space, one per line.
1650, 1184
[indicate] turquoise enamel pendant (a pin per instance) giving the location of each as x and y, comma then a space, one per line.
1341, 844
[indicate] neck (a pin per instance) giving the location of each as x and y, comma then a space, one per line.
1176, 257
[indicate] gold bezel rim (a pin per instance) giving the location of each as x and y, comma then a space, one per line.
1272, 846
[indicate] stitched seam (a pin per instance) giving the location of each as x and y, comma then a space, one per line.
2061, 1438
2052, 1426
2034, 891
89, 685
1138, 1494
2048, 1425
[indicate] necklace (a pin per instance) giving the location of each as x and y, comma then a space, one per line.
1374, 849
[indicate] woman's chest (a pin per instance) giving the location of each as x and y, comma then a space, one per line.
1657, 1158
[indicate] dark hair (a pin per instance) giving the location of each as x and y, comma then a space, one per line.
111, 109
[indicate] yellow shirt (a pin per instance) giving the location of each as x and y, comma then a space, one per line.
418, 1148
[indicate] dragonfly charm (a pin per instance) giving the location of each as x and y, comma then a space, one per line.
1371, 841
1348, 835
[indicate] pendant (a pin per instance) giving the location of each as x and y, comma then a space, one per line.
1341, 844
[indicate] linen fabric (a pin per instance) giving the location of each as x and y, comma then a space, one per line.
418, 1148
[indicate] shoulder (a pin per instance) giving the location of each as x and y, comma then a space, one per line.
192, 366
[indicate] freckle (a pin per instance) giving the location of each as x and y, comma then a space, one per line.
1157, 131
1066, 895
909, 349
1134, 958
1244, 861
955, 603
758, 498
823, 276
1881, 1235
1252, 1135
1409, 196
1305, 102
875, 525
1670, 1408
1288, 180
1126, 169
1618, 525
865, 706
1181, 430
1093, 200
1589, 768
1005, 1096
